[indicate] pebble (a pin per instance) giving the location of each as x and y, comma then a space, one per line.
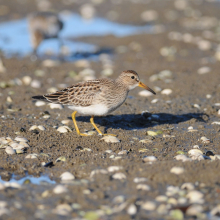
41, 127
195, 196
119, 199
19, 151
55, 106
145, 141
39, 103
194, 210
114, 168
204, 70
67, 176
64, 129
33, 127
31, 156
143, 187
18, 138
188, 186
17, 146
166, 91
204, 45
205, 140
145, 93
108, 151
182, 157
161, 198
66, 122
177, 170
140, 179
62, 158
110, 139
26, 80
149, 159
132, 209
36, 84
123, 152
149, 206
9, 150
98, 171
119, 176
208, 96
154, 101
59, 189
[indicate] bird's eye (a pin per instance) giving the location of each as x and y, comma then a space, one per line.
132, 77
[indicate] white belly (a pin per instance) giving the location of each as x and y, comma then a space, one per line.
98, 109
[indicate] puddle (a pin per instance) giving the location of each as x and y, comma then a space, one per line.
15, 40
31, 179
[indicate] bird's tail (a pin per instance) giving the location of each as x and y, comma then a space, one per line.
54, 97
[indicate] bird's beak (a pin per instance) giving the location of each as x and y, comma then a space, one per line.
142, 85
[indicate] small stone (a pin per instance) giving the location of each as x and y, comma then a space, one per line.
132, 209
188, 186
33, 127
41, 127
177, 214
55, 106
39, 103
110, 139
63, 129
123, 152
59, 189
177, 170
154, 101
203, 70
119, 176
36, 84
161, 198
9, 150
143, 187
166, 91
18, 138
205, 140
114, 168
67, 176
66, 122
149, 206
195, 196
145, 93
149, 159
140, 179
108, 151
26, 80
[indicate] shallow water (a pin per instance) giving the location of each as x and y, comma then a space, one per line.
15, 39
34, 180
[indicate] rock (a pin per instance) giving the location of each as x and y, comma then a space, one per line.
59, 189
9, 150
67, 176
110, 139
177, 170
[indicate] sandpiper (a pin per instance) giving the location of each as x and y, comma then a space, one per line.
96, 97
44, 25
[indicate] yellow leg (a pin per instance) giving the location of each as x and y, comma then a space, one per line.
74, 121
94, 125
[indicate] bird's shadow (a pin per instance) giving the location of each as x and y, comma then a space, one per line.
141, 121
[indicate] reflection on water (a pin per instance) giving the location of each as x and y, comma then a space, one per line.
14, 36
29, 179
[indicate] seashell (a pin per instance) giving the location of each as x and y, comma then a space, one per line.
182, 157
177, 170
197, 157
216, 123
19, 151
119, 176
22, 139
66, 122
215, 211
110, 139
149, 206
91, 133
152, 133
116, 158
146, 141
52, 90
17, 146
143, 150
33, 127
188, 186
149, 159
154, 101
195, 196
55, 106
166, 91
59, 189
143, 187
140, 179
108, 151
9, 150
123, 152
67, 176
9, 99
119, 199
114, 168
161, 198
41, 127
132, 209
196, 147
205, 140
145, 93
194, 210
26, 80
98, 171
195, 152
39, 103
64, 129
24, 144
204, 70
62, 158
36, 84
31, 156
196, 106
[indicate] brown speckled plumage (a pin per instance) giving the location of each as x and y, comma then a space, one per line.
97, 97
